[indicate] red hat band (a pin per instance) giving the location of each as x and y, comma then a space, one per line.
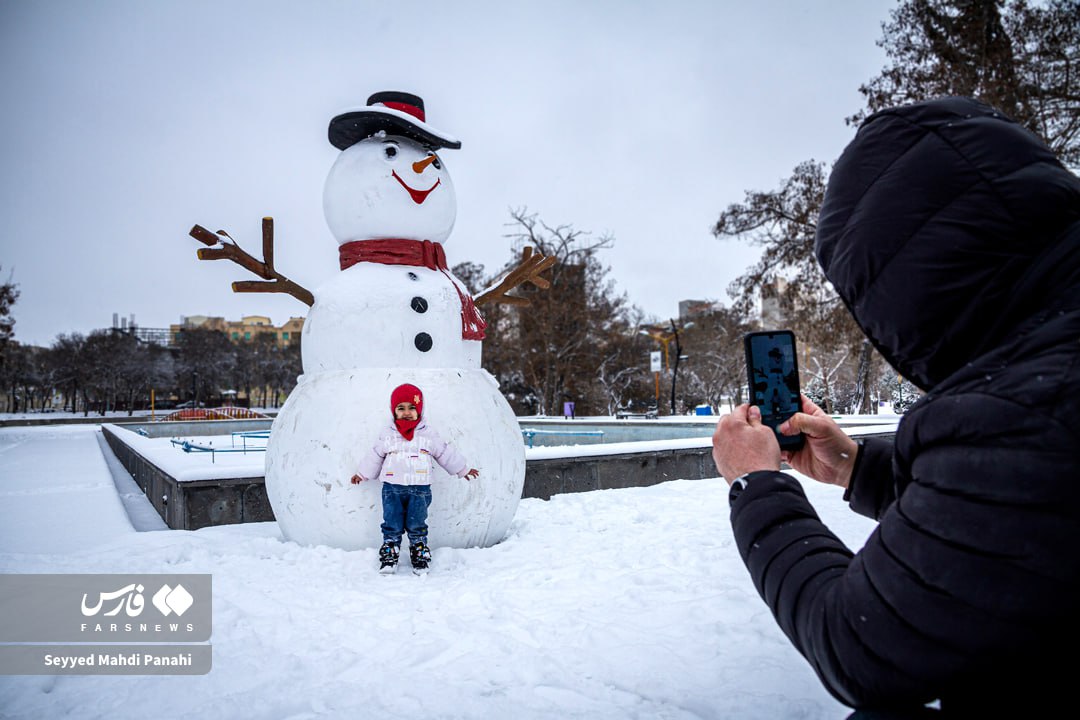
416, 112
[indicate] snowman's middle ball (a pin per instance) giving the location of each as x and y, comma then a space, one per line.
387, 181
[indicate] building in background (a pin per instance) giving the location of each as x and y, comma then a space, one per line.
244, 329
690, 309
776, 309
155, 336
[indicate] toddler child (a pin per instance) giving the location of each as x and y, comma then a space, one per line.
401, 458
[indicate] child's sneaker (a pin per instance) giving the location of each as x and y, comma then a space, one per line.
420, 556
388, 557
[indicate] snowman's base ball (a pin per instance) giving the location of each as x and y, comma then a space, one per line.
332, 418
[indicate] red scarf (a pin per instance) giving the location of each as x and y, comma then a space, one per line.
412, 394
418, 253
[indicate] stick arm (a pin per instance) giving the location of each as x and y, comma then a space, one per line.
526, 271
273, 281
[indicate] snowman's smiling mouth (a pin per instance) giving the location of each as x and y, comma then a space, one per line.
418, 196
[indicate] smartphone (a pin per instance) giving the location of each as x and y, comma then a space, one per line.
772, 374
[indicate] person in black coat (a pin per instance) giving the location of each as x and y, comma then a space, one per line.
952, 234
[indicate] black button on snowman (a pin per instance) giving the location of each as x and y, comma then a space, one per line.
395, 314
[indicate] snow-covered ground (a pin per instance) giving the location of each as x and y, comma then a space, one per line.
613, 604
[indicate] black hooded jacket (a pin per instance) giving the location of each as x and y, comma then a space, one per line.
953, 236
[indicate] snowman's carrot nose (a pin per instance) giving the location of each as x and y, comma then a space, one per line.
419, 165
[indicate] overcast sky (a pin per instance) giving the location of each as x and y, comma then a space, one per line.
126, 122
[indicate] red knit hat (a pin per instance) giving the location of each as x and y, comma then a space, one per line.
411, 394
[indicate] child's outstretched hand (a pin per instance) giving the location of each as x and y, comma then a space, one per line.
356, 479
472, 474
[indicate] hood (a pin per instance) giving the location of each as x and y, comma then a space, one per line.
945, 226
407, 394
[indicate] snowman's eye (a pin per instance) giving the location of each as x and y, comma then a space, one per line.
390, 151
437, 164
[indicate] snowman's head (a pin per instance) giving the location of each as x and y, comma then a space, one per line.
388, 182
389, 186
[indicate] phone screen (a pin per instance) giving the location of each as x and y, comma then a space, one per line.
773, 378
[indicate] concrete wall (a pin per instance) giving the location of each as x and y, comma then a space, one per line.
193, 505
547, 477
544, 478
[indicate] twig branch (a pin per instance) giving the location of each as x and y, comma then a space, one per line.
527, 271
217, 249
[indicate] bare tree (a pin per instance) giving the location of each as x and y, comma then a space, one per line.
863, 400
716, 366
205, 360
548, 352
288, 367
471, 274
268, 360
622, 376
17, 374
142, 366
822, 370
64, 359
101, 369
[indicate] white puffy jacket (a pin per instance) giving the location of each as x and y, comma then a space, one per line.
408, 462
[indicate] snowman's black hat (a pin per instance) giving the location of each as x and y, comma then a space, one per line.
396, 113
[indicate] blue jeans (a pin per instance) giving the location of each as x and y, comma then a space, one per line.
405, 508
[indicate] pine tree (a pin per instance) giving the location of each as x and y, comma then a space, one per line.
1021, 59
9, 293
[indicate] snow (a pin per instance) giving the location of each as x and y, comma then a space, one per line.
57, 491
194, 466
612, 604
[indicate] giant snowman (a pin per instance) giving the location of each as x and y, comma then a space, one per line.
394, 314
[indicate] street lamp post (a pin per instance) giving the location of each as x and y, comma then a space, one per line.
675, 371
678, 356
664, 338
194, 388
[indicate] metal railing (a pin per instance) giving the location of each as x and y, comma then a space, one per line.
529, 433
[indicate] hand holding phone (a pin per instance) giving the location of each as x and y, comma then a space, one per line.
743, 444
772, 374
829, 454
